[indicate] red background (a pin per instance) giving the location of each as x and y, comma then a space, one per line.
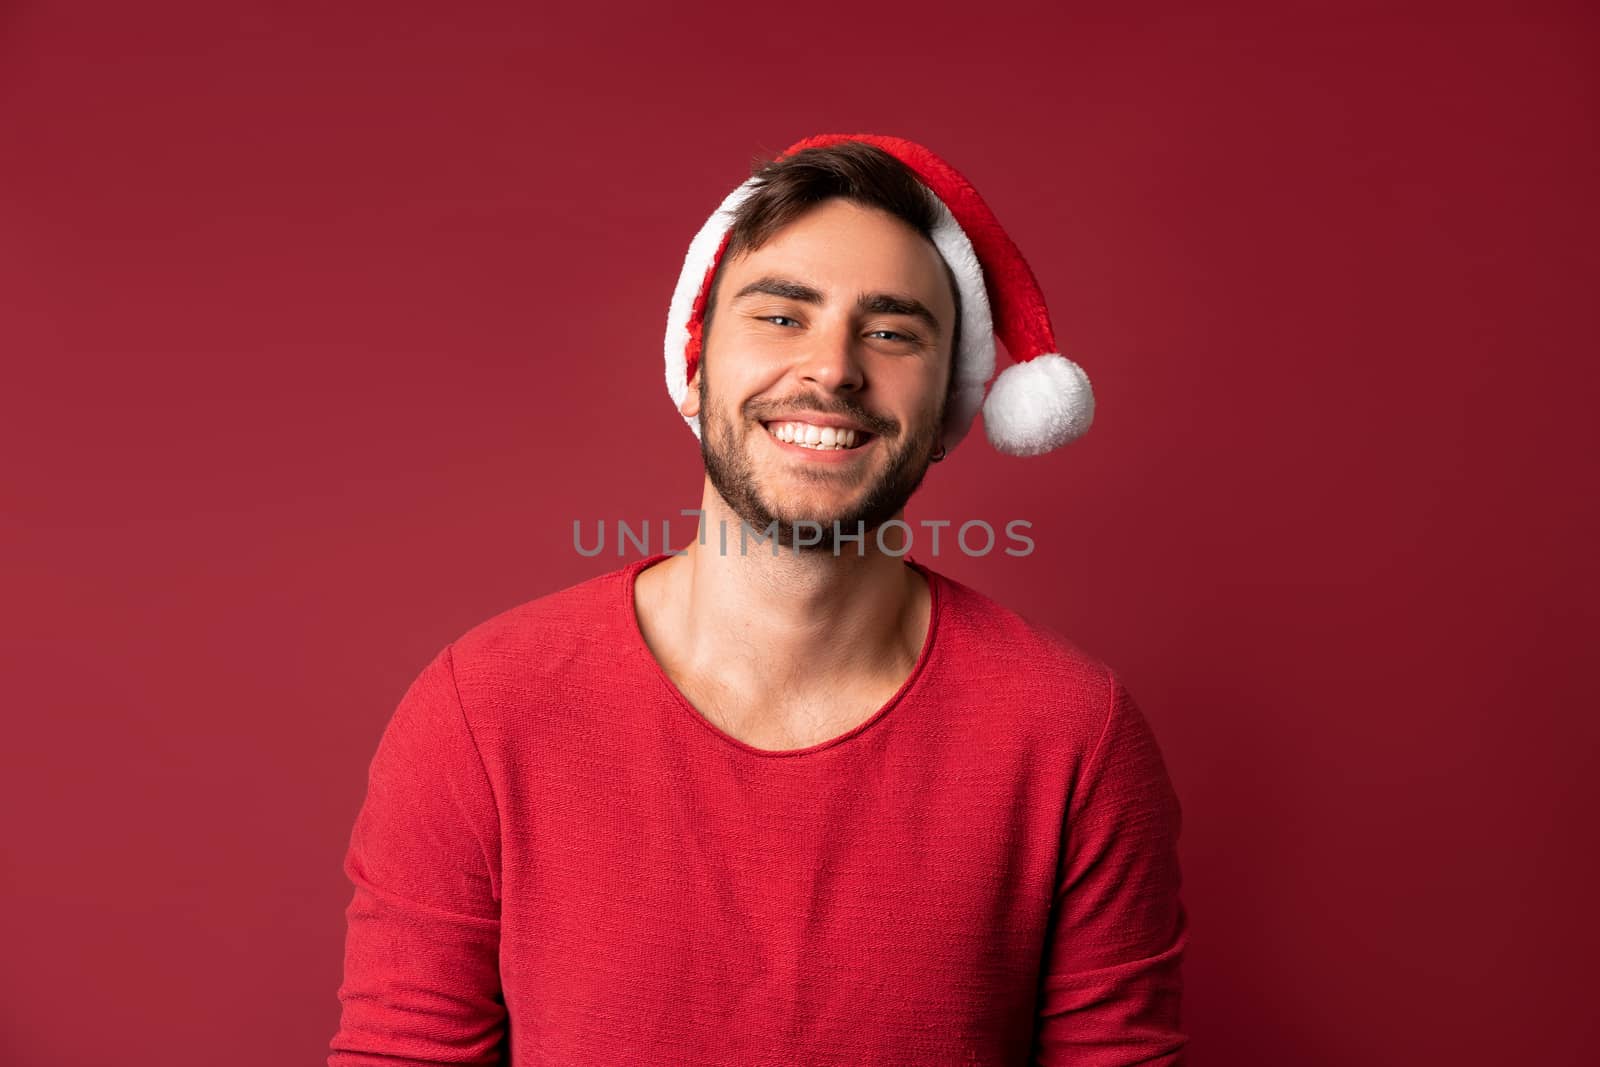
323, 322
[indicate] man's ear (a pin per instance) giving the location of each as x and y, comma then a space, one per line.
690, 407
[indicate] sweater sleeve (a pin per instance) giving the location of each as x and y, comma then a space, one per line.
421, 961
1112, 984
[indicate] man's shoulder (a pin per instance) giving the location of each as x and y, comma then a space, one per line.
1017, 646
547, 632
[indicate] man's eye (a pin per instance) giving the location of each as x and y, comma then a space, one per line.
774, 318
896, 333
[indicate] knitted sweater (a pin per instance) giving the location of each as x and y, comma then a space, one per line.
560, 861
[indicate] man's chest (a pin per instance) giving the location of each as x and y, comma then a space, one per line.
890, 917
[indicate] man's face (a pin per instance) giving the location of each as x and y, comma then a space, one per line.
843, 320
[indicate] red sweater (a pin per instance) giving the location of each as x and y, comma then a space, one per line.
559, 858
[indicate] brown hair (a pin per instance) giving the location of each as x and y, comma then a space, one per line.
788, 188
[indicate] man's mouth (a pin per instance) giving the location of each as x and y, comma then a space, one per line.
819, 438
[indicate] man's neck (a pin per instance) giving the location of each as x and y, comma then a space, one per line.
805, 623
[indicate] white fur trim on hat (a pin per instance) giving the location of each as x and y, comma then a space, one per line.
974, 350
702, 252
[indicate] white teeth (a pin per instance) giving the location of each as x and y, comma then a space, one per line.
821, 438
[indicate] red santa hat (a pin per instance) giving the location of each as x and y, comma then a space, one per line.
1039, 403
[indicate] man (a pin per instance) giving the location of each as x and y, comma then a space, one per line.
790, 796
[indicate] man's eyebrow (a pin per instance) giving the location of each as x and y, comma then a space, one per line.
891, 304
880, 303
783, 287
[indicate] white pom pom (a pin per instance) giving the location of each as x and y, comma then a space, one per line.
1037, 406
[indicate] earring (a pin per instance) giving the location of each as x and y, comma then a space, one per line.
938, 454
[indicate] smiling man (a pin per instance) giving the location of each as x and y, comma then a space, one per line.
801, 799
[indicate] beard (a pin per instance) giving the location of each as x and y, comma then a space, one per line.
732, 473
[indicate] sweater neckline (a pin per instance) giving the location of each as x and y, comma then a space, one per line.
936, 595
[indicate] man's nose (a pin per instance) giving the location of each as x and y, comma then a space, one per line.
832, 361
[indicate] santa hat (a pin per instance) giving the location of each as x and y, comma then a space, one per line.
1039, 403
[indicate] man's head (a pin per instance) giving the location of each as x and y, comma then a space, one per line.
1039, 403
830, 307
